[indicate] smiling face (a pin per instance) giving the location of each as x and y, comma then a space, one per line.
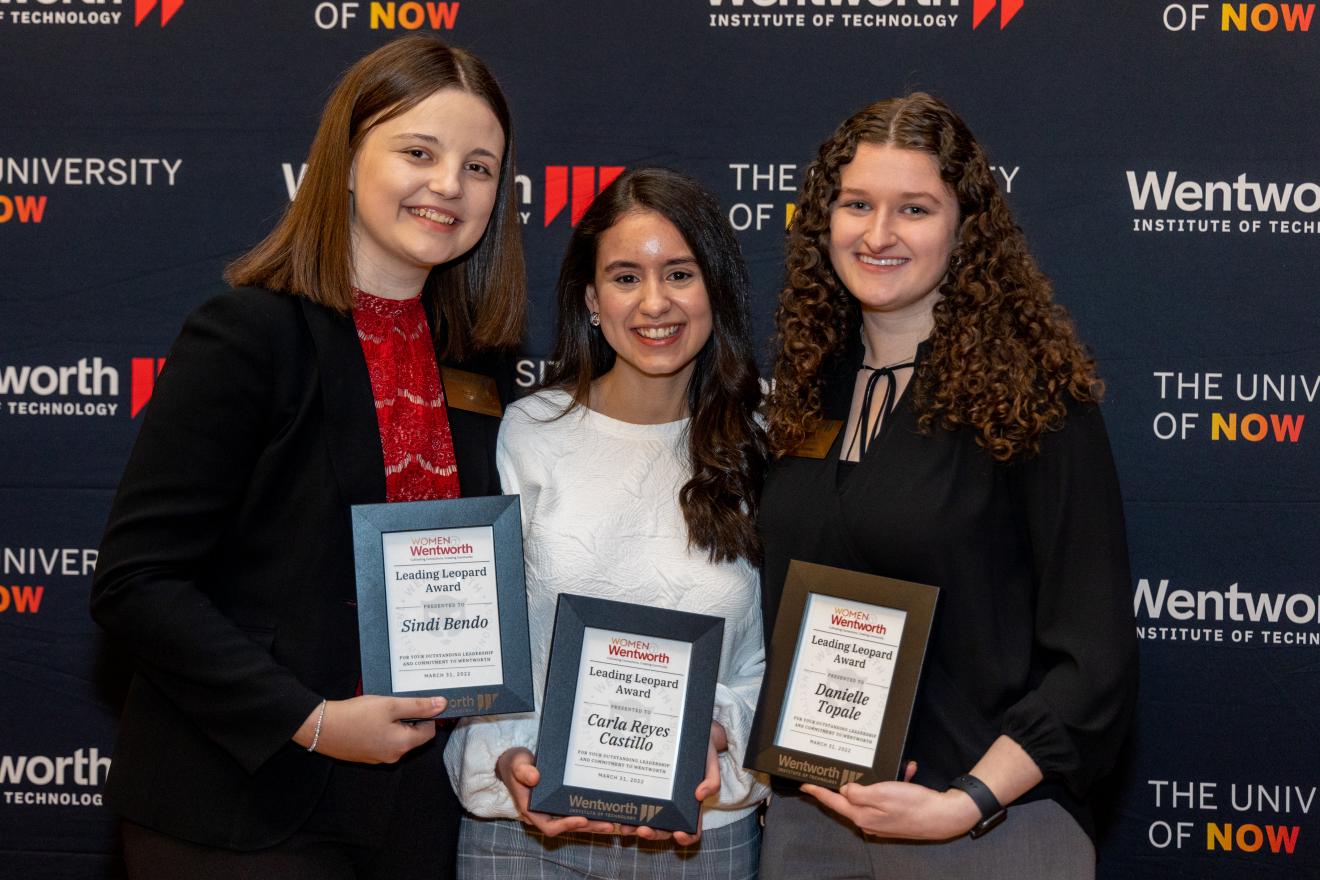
651, 297
892, 230
424, 184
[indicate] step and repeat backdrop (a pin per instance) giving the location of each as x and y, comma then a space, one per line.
1161, 157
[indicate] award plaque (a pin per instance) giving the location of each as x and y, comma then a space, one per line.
842, 676
630, 695
442, 604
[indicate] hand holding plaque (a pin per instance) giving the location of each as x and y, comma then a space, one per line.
441, 602
516, 768
626, 736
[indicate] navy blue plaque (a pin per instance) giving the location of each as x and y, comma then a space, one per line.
630, 695
442, 602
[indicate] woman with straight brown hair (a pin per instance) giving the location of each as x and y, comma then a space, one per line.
358, 360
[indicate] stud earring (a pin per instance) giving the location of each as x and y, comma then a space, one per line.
595, 319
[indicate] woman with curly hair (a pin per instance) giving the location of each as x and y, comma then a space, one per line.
639, 465
936, 414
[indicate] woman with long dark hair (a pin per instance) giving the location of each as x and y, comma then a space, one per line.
342, 369
639, 466
918, 343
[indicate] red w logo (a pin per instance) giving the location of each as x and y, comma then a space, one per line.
145, 371
585, 187
1007, 9
142, 8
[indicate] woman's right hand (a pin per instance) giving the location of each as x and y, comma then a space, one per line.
516, 768
371, 729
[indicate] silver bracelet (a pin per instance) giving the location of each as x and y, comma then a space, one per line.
316, 734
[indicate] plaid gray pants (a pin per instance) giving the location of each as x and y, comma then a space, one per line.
1038, 840
502, 849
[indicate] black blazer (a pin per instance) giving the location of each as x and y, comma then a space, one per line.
227, 566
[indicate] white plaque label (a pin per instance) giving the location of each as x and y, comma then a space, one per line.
628, 714
840, 679
444, 620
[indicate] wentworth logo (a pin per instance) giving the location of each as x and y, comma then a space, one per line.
820, 771
84, 767
583, 185
600, 805
1008, 9
144, 8
1234, 604
144, 373
1240, 194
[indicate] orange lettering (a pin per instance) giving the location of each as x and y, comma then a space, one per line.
443, 15
27, 600
411, 16
1289, 426
1236, 17
1253, 427
1297, 16
1218, 425
30, 208
1282, 836
1253, 831
1264, 17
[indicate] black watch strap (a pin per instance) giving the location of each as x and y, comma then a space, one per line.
992, 812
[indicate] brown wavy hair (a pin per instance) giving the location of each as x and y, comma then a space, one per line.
1003, 358
481, 297
726, 445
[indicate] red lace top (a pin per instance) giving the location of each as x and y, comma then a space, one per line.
410, 403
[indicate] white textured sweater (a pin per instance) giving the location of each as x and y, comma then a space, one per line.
601, 518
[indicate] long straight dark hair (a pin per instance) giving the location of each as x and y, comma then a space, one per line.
726, 445
481, 297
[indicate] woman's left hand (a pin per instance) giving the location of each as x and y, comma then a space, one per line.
719, 741
901, 809
709, 785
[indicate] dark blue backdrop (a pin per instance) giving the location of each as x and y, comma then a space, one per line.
1161, 158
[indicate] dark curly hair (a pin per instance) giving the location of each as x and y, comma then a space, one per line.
1003, 357
726, 445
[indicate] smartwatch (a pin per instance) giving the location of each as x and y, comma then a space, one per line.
992, 812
